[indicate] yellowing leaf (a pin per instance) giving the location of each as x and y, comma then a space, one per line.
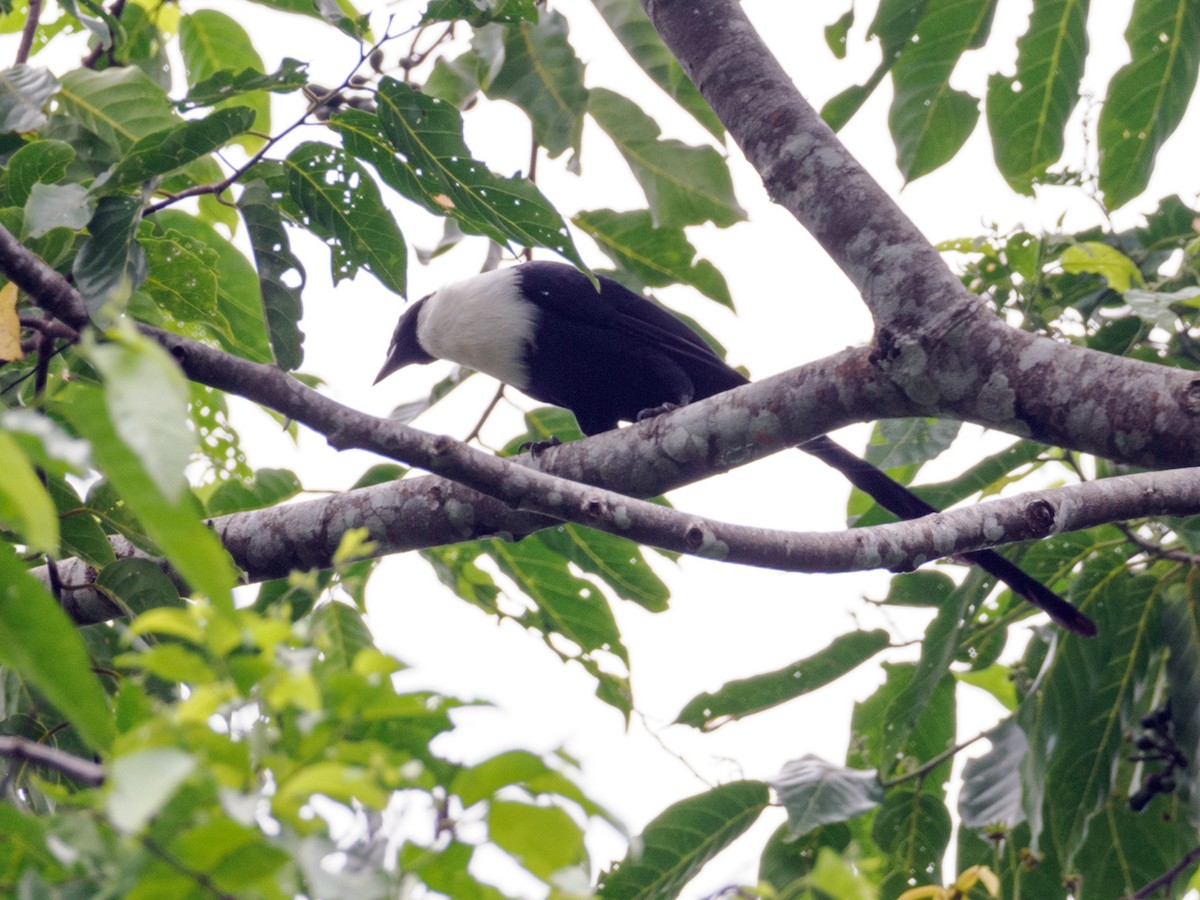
10, 325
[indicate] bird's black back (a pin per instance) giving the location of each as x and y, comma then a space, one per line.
609, 355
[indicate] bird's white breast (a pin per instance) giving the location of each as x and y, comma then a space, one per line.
483, 323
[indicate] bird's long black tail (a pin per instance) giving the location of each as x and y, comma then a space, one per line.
896, 498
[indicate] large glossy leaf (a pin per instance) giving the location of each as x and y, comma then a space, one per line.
1149, 95
24, 90
1028, 111
538, 71
684, 185
238, 299
681, 840
656, 257
342, 205
737, 699
616, 561
53, 206
225, 84
39, 162
174, 147
281, 275
40, 642
929, 120
118, 106
421, 153
213, 42
637, 35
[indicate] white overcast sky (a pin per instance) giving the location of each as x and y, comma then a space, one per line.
793, 306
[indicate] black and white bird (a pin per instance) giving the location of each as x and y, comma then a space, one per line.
612, 356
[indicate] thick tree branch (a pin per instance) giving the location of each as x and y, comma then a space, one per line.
938, 344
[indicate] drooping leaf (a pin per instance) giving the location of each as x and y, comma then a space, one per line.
281, 275
342, 205
815, 792
929, 120
40, 642
24, 90
746, 696
174, 525
138, 585
913, 827
111, 264
991, 788
655, 256
618, 562
1027, 113
1148, 96
637, 35
539, 72
680, 841
684, 185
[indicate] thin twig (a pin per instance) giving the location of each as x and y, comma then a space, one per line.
929, 765
486, 412
83, 771
29, 32
1154, 548
1165, 879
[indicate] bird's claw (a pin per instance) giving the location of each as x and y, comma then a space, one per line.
537, 448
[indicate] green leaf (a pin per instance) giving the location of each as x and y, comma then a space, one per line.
111, 264
225, 84
929, 120
267, 488
342, 634
239, 302
787, 862
53, 206
281, 275
192, 549
543, 839
147, 399
540, 73
1027, 113
835, 34
896, 443
183, 287
24, 90
25, 506
913, 828
141, 783
1099, 258
174, 147
38, 162
683, 185
657, 257
434, 168
38, 641
738, 699
681, 840
1148, 96
815, 792
637, 35
616, 561
480, 12
341, 204
212, 42
138, 585
118, 105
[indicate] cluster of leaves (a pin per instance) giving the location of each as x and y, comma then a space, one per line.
260, 752
921, 44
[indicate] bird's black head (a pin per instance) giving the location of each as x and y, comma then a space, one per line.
405, 349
